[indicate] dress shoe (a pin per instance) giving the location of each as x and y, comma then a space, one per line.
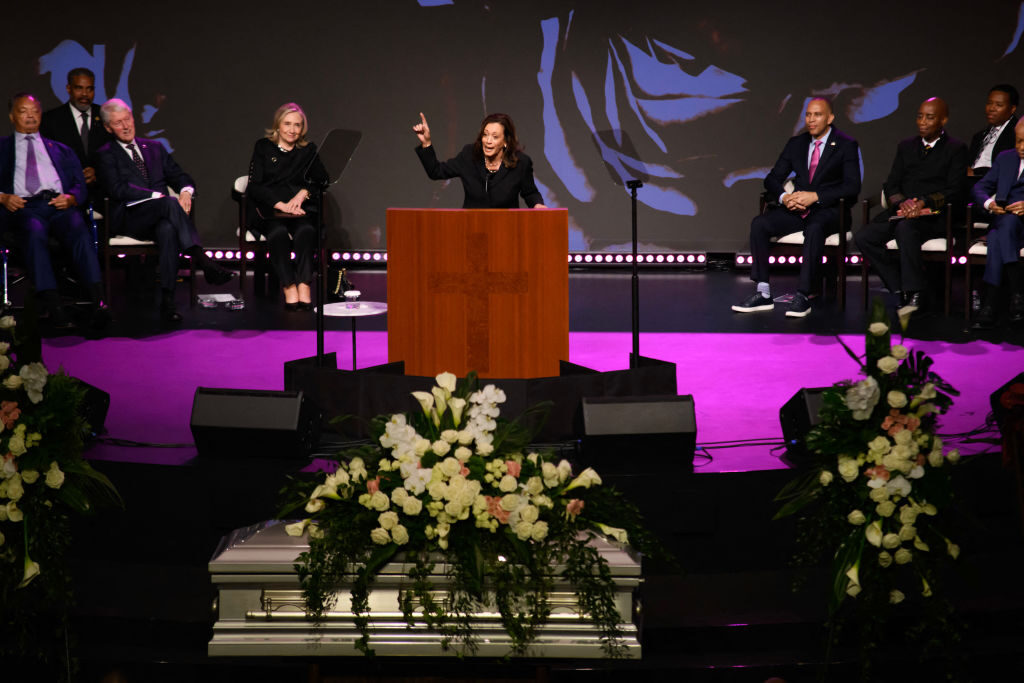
100, 316
215, 275
1016, 308
305, 305
291, 306
985, 319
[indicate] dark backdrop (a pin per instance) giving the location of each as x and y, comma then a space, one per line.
698, 98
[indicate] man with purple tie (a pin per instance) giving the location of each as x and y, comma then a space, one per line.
825, 167
136, 173
1001, 192
42, 190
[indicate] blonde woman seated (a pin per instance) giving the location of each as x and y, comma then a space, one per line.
284, 175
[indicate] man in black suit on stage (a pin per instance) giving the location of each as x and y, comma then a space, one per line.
826, 168
1001, 193
998, 135
77, 124
42, 190
926, 180
136, 173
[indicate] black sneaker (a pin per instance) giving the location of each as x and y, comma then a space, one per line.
799, 307
754, 302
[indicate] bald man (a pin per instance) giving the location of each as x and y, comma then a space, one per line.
926, 180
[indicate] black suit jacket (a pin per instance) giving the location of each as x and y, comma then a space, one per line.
482, 192
938, 178
64, 161
61, 125
123, 182
1005, 141
1001, 182
836, 177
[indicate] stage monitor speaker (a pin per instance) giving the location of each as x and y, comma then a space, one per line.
627, 434
797, 417
241, 423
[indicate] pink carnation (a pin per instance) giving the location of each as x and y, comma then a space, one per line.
373, 485
495, 509
878, 472
464, 471
514, 468
574, 507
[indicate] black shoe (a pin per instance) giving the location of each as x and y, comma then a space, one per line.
100, 316
305, 305
1016, 308
754, 302
911, 303
291, 307
799, 307
215, 275
985, 319
59, 319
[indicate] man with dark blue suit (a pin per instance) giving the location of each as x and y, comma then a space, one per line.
825, 165
1001, 192
136, 173
77, 123
41, 190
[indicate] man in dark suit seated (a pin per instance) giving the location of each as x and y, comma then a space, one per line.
136, 173
926, 180
77, 124
41, 190
1001, 193
826, 165
998, 135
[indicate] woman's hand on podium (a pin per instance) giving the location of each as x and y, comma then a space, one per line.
422, 131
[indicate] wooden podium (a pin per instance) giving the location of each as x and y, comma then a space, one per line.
478, 289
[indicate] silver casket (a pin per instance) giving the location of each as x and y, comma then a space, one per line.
261, 610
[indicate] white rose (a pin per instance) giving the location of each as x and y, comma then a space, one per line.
400, 535
388, 520
13, 382
884, 558
898, 351
14, 513
953, 456
825, 478
935, 459
441, 447
380, 536
508, 484
540, 531
885, 508
879, 494
564, 470
34, 376
878, 329
524, 530
450, 435
54, 477
890, 541
449, 466
895, 597
510, 502
848, 469
534, 486
529, 513
896, 399
879, 445
908, 514
887, 364
412, 506
903, 556
908, 532
399, 496
30, 476
856, 518
379, 501
5, 362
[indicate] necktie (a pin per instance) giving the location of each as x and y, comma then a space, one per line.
31, 167
927, 148
815, 158
139, 163
85, 131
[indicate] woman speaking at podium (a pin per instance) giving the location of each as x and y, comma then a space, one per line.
494, 171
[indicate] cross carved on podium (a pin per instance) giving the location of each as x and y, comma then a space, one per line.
477, 284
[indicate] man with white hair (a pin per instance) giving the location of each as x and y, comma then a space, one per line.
136, 174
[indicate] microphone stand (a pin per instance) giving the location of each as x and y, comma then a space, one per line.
321, 277
634, 358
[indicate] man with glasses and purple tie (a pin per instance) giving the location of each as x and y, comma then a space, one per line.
42, 189
825, 167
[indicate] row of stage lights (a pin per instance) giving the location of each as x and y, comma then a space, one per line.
577, 258
746, 260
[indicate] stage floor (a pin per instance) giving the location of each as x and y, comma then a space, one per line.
740, 369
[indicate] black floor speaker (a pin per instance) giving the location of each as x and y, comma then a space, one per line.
797, 417
629, 434
240, 423
95, 405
